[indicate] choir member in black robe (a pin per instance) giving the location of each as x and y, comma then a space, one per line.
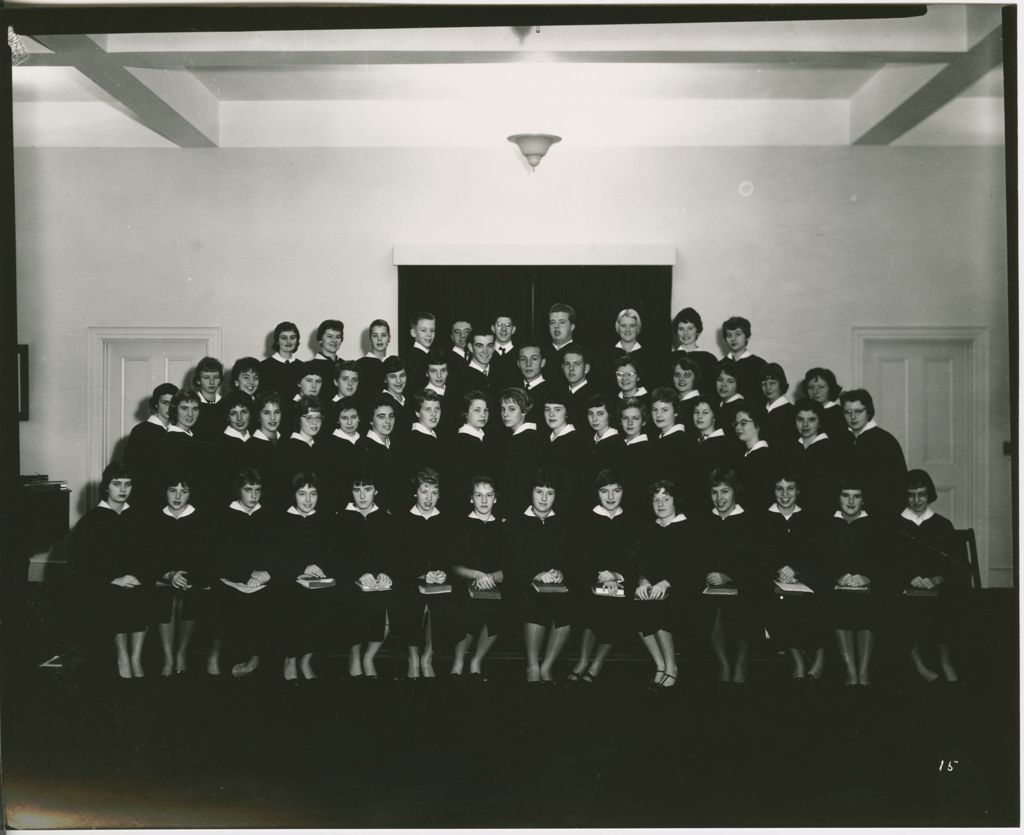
561, 326
243, 598
713, 449
933, 577
533, 367
606, 448
261, 450
346, 380
422, 328
142, 452
300, 452
183, 450
366, 540
538, 554
115, 569
329, 336
759, 461
673, 446
206, 380
309, 383
478, 560
458, 355
423, 570
229, 447
245, 377
637, 454
472, 450
780, 426
519, 456
437, 382
686, 381
789, 536
815, 455
277, 372
371, 364
378, 453
628, 327
395, 385
606, 563
340, 458
564, 453
821, 386
874, 455
687, 327
477, 373
736, 331
731, 551
628, 380
861, 569
423, 448
506, 354
185, 571
729, 396
576, 371
667, 574
307, 554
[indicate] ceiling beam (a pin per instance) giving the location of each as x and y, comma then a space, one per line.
897, 99
147, 106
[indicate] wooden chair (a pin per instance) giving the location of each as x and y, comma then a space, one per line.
968, 540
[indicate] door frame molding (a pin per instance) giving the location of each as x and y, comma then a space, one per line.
97, 340
977, 342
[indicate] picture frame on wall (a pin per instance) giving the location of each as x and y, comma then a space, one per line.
23, 382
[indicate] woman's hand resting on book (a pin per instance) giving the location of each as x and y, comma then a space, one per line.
484, 581
433, 577
787, 575
659, 590
313, 570
128, 581
383, 582
717, 578
367, 582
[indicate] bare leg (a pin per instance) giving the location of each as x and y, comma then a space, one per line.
290, 672
654, 648
459, 655
923, 670
427, 656
166, 631
355, 666
799, 671
739, 672
718, 648
185, 630
587, 642
246, 667
533, 635
483, 646
865, 643
372, 649
136, 660
844, 637
124, 667
213, 658
556, 643
306, 666
948, 670
599, 656
667, 644
818, 664
413, 670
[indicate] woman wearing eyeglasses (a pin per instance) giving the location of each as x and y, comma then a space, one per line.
758, 461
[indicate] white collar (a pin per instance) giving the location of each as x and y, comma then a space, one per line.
779, 401
188, 510
679, 517
578, 386
237, 505
262, 436
298, 436
560, 347
328, 357
337, 433
532, 384
736, 511
600, 511
869, 425
460, 351
204, 402
398, 398
717, 433
157, 421
686, 350
608, 433
530, 512
377, 438
910, 516
369, 355
758, 445
294, 511
419, 427
621, 347
415, 511
175, 428
473, 515
734, 398
508, 346
642, 437
821, 436
352, 506
296, 398
432, 387
231, 432
675, 427
103, 503
776, 509
277, 355
524, 426
564, 429
839, 515
417, 347
690, 394
744, 353
466, 429
483, 369
831, 404
640, 392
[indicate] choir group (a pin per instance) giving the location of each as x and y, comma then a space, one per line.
517, 489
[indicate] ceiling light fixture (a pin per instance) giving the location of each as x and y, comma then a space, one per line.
534, 146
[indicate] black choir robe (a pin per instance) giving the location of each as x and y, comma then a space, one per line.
142, 457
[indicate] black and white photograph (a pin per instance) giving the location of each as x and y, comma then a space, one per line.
509, 417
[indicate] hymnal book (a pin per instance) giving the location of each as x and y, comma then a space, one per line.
315, 582
912, 592
793, 588
435, 588
484, 594
726, 589
851, 588
601, 591
361, 587
550, 588
242, 587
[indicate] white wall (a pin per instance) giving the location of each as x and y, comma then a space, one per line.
829, 239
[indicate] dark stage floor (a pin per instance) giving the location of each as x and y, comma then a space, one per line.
83, 751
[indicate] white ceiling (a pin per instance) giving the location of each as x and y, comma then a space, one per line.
932, 79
